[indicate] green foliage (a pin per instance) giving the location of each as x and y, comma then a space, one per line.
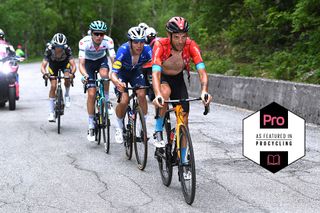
272, 39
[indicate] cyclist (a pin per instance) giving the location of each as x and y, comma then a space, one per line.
127, 68
170, 57
93, 57
151, 36
59, 56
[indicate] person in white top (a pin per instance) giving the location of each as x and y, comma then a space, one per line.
93, 57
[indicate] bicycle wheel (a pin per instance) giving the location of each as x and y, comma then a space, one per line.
59, 108
98, 121
187, 169
164, 157
106, 127
140, 139
127, 136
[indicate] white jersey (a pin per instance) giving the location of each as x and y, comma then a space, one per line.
88, 51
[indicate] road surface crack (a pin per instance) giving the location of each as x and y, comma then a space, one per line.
77, 166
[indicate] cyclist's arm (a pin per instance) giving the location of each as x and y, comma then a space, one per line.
82, 67
43, 66
156, 67
73, 66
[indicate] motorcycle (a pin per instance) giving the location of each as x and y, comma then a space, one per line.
9, 80
147, 72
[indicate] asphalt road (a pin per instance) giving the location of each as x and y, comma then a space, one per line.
41, 171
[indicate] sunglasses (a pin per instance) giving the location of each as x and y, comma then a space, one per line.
98, 34
136, 41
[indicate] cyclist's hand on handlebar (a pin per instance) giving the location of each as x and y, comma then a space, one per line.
72, 76
206, 98
158, 101
84, 79
46, 76
120, 86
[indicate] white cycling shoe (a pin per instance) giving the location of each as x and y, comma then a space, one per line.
119, 136
51, 117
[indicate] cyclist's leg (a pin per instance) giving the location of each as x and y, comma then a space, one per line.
91, 66
165, 91
53, 71
137, 79
104, 73
180, 92
66, 71
123, 101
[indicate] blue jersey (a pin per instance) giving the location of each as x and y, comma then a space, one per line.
123, 60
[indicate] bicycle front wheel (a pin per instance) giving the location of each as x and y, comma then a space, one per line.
140, 139
127, 136
59, 108
187, 169
164, 155
105, 128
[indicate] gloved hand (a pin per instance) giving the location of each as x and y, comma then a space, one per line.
158, 101
46, 76
204, 100
84, 79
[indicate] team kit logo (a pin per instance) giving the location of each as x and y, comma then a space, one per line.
273, 137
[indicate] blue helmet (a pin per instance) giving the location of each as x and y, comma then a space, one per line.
98, 26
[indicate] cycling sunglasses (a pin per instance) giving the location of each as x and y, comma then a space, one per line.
98, 34
136, 41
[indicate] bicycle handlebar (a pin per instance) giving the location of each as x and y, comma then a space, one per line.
206, 108
97, 80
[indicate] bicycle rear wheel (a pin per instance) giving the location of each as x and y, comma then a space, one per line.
164, 157
127, 136
140, 139
187, 169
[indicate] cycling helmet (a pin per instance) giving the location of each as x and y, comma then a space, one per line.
1, 33
143, 26
59, 39
98, 26
151, 32
136, 34
177, 24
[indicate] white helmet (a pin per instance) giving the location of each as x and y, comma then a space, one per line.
1, 33
59, 39
151, 32
136, 33
143, 26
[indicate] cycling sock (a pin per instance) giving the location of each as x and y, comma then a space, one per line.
120, 122
183, 154
51, 105
159, 124
67, 91
91, 121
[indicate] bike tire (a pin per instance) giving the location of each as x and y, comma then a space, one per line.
187, 172
140, 143
127, 129
59, 109
97, 123
164, 162
106, 127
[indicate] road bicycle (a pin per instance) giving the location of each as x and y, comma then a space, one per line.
101, 113
134, 129
59, 102
178, 151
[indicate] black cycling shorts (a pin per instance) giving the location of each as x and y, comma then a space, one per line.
54, 67
93, 66
178, 88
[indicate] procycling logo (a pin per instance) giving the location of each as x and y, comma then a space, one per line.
273, 137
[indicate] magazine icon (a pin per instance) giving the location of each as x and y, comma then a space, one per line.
273, 160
